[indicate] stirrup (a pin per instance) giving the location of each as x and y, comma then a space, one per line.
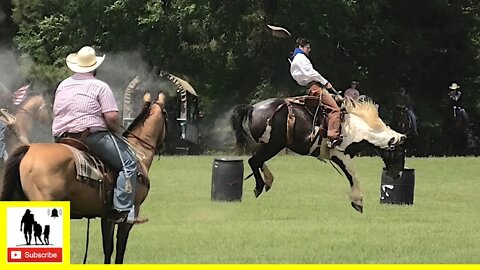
334, 143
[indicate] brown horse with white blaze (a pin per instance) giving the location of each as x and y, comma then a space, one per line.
47, 172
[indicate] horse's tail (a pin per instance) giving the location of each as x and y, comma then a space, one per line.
12, 188
240, 114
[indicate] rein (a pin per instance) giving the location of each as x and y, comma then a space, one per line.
140, 139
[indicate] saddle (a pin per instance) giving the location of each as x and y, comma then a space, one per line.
315, 108
93, 172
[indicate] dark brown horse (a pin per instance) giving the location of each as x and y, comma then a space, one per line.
47, 172
455, 130
267, 124
401, 120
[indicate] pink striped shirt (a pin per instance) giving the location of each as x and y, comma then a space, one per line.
80, 101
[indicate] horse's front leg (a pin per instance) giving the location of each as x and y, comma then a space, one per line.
346, 165
122, 237
108, 227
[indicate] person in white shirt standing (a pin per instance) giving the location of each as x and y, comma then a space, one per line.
352, 92
303, 72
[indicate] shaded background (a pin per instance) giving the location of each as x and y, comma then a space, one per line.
224, 50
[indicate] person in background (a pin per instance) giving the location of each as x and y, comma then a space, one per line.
85, 109
402, 98
352, 92
304, 74
456, 100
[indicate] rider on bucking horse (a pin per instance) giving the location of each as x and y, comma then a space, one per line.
303, 72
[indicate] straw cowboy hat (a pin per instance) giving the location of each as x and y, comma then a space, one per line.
84, 61
454, 86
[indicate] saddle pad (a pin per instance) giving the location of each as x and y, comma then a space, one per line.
85, 166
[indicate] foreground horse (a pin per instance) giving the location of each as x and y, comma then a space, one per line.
270, 125
47, 172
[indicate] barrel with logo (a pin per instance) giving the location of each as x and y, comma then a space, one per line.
400, 190
227, 179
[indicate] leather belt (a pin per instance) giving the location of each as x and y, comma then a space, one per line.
71, 135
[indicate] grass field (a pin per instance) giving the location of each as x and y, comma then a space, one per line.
305, 218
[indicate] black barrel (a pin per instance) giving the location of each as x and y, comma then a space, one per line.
227, 179
398, 191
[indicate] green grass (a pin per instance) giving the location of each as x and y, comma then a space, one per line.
305, 218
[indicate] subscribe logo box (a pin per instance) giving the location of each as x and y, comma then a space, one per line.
35, 234
37, 255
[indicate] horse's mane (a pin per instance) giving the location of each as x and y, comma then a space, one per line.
140, 118
366, 110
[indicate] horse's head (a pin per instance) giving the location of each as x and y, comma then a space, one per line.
148, 129
36, 109
363, 126
33, 122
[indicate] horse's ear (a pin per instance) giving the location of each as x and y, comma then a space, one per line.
161, 99
147, 97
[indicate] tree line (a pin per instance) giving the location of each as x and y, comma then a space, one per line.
224, 49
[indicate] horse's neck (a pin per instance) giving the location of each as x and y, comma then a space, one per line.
354, 126
24, 123
146, 136
13, 140
31, 113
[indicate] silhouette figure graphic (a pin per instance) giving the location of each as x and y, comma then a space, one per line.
27, 224
37, 232
46, 234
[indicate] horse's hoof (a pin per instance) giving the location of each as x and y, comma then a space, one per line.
257, 192
357, 207
267, 188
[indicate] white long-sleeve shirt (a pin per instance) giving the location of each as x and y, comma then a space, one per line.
303, 72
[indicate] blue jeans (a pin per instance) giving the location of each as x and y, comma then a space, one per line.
102, 145
2, 140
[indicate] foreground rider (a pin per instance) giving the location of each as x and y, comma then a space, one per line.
85, 109
303, 72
